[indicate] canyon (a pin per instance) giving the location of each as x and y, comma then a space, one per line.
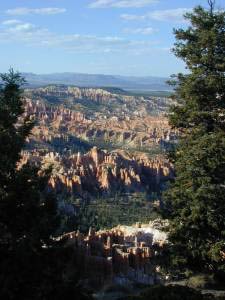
97, 141
102, 171
100, 117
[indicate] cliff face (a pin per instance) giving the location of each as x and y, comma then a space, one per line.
121, 252
100, 171
136, 130
71, 118
71, 94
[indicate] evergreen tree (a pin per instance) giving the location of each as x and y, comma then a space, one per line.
32, 264
195, 201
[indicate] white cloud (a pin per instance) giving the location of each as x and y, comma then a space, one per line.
16, 26
142, 31
31, 35
128, 17
11, 22
19, 11
120, 3
170, 15
24, 27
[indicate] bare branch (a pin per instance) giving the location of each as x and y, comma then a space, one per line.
212, 5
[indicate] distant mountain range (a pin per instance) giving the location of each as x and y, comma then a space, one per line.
130, 83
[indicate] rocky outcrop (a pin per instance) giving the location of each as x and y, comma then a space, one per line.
100, 171
69, 120
70, 94
129, 252
133, 130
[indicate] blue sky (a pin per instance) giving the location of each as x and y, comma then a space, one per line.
124, 37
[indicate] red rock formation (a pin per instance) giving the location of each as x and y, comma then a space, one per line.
122, 126
100, 170
111, 253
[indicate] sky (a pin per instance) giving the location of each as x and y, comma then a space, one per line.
118, 37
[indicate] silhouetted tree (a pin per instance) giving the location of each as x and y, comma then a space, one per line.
32, 265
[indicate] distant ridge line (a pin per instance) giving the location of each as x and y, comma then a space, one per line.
133, 83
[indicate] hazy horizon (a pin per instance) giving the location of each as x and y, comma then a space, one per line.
90, 73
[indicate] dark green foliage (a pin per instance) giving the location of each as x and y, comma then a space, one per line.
32, 265
27, 213
12, 137
195, 202
108, 212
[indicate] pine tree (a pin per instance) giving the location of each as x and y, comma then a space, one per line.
28, 215
32, 264
195, 201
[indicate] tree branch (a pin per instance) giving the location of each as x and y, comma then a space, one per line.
211, 5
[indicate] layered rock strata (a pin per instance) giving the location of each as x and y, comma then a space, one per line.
100, 171
129, 131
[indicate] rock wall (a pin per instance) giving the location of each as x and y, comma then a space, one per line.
117, 120
99, 171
